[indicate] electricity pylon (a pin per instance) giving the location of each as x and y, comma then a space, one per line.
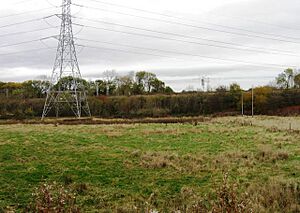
66, 85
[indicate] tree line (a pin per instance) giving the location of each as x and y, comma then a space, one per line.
140, 83
144, 95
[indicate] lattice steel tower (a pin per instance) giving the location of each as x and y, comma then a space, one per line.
66, 86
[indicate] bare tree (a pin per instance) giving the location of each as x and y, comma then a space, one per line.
110, 75
109, 78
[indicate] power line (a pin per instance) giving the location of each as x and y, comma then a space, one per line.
24, 42
202, 56
31, 50
20, 2
173, 39
190, 25
133, 52
27, 12
154, 31
125, 51
24, 22
144, 48
51, 3
25, 32
255, 21
131, 8
180, 18
210, 40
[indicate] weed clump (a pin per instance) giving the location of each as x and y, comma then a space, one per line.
229, 200
53, 198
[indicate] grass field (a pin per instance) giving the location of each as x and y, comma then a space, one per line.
143, 167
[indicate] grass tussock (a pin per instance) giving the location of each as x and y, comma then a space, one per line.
159, 160
266, 154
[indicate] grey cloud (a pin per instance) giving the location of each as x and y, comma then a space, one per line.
95, 61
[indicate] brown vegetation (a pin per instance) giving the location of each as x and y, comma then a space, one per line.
53, 198
226, 198
267, 101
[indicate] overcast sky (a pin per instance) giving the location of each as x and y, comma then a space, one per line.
255, 39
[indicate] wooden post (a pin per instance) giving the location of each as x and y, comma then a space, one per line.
107, 89
97, 89
252, 102
242, 103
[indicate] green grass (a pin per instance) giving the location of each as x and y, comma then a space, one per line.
126, 164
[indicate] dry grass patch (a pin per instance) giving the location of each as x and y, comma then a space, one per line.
158, 160
164, 131
267, 154
226, 160
272, 123
275, 196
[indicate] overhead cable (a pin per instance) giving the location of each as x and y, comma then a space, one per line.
174, 34
179, 40
202, 56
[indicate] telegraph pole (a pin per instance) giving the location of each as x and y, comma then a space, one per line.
242, 103
97, 88
107, 89
203, 84
66, 65
252, 92
208, 84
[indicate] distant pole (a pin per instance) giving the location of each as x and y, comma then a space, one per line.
97, 89
252, 102
6, 93
242, 103
203, 84
208, 84
107, 89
